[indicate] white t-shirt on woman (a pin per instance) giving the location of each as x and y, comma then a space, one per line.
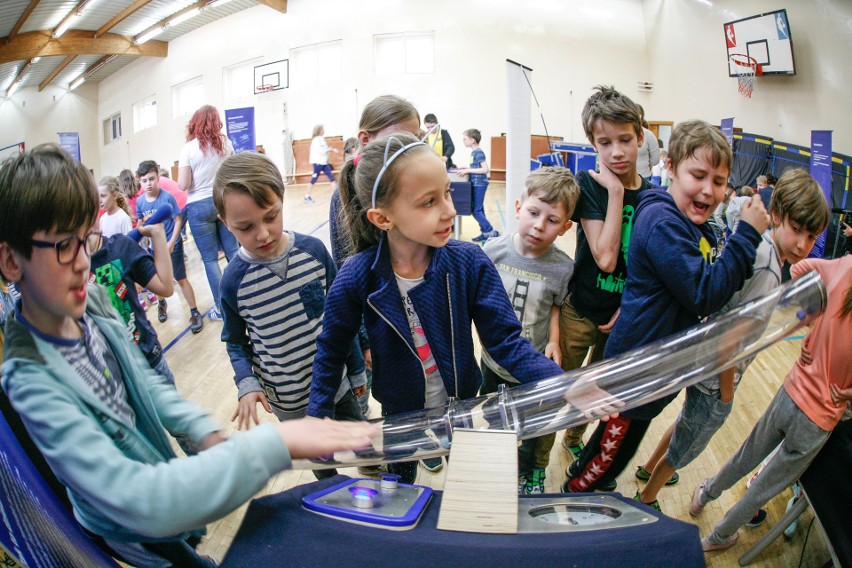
203, 166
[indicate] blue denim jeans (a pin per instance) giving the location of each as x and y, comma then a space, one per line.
479, 207
210, 233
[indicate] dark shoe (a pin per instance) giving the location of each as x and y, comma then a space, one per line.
757, 519
493, 234
372, 470
607, 487
643, 474
432, 464
196, 322
162, 310
655, 504
574, 449
481, 238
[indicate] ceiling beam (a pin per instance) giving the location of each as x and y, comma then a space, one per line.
280, 5
27, 11
76, 42
56, 71
121, 16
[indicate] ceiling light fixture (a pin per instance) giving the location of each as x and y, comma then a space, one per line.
12, 88
35, 59
181, 18
216, 3
145, 36
77, 82
62, 27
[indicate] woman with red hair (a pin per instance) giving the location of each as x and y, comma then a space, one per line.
206, 147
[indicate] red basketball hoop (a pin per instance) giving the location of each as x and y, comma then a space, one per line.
746, 68
263, 89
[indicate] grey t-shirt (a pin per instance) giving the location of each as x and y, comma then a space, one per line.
766, 277
534, 285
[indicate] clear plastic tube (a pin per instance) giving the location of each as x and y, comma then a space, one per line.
627, 381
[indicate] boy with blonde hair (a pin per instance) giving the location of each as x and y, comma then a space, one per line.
535, 274
673, 280
799, 213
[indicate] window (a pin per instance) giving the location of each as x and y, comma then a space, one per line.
317, 64
112, 128
187, 96
144, 114
238, 79
404, 53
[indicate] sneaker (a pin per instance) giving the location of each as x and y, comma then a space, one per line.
481, 238
432, 464
573, 449
196, 322
493, 234
791, 528
142, 302
535, 481
696, 507
162, 310
214, 314
708, 546
757, 519
655, 504
643, 474
522, 482
607, 487
373, 470
152, 298
309, 200
573, 470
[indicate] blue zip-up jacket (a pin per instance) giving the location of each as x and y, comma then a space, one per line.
460, 286
672, 279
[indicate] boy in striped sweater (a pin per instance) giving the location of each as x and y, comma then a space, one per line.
273, 298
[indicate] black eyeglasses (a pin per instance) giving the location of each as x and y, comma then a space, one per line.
68, 249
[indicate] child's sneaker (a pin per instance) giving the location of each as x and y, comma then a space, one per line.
481, 238
707, 545
757, 519
309, 200
162, 310
214, 314
655, 504
152, 298
696, 507
573, 449
535, 481
797, 493
196, 321
142, 302
372, 470
432, 464
522, 482
643, 474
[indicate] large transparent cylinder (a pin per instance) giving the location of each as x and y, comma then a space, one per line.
627, 381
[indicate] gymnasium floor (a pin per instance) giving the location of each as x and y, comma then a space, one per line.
204, 375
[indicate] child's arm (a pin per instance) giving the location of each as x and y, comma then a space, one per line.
162, 283
605, 236
175, 231
551, 350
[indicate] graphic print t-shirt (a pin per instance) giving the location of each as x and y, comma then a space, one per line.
119, 264
436, 394
596, 294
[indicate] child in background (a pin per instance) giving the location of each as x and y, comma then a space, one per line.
535, 274
130, 189
116, 218
799, 213
148, 203
415, 290
93, 406
735, 205
478, 171
605, 211
660, 171
319, 158
273, 295
673, 280
802, 415
440, 141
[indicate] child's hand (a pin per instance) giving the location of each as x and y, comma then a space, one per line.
607, 179
607, 327
151, 230
807, 357
840, 396
552, 352
847, 229
359, 391
463, 171
313, 437
246, 410
368, 359
754, 213
593, 401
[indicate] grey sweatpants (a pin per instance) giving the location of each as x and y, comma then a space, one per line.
800, 441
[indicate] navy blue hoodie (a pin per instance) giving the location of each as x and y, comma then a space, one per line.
673, 281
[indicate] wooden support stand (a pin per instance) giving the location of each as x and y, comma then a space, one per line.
481, 499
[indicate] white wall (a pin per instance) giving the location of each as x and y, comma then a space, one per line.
35, 117
572, 45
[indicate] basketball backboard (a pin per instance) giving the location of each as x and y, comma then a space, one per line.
271, 76
765, 38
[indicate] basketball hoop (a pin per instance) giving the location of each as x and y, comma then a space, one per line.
746, 68
263, 89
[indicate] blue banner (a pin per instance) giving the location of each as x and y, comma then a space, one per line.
727, 127
821, 172
70, 142
240, 126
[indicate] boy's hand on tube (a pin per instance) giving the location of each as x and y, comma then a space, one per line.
314, 437
592, 401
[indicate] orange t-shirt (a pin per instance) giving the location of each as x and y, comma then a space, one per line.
830, 343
